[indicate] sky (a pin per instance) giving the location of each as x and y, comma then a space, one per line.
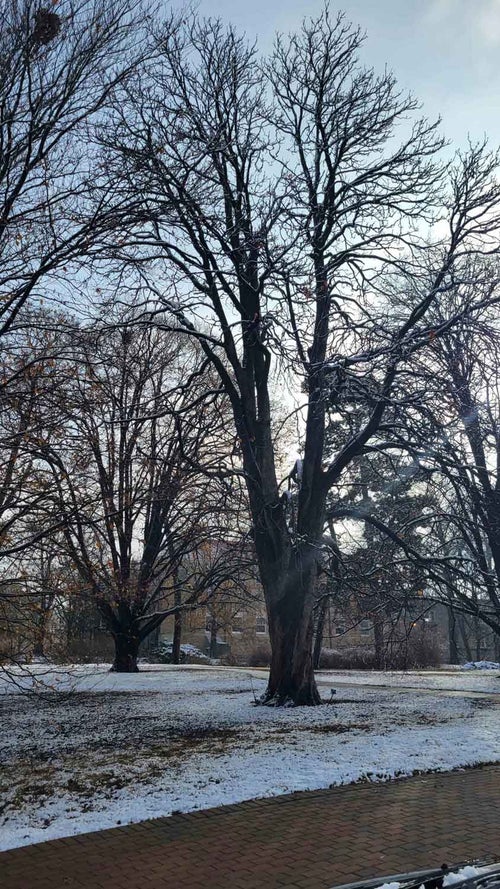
447, 52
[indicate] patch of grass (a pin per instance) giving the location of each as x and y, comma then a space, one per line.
338, 728
33, 786
183, 744
336, 700
108, 780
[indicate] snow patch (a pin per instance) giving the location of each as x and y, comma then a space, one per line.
465, 873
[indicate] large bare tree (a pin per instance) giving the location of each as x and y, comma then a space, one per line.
287, 203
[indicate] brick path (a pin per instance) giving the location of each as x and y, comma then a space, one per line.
305, 841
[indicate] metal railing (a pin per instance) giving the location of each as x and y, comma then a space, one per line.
487, 878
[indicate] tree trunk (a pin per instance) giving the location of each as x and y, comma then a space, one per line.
176, 641
464, 632
126, 652
477, 634
291, 629
378, 634
38, 648
452, 633
213, 638
40, 634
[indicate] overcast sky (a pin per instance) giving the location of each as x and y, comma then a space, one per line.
446, 51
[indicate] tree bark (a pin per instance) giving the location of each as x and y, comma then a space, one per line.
38, 648
465, 638
41, 634
452, 633
291, 629
477, 640
126, 652
176, 641
378, 634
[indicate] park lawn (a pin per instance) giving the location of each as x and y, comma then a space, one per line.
97, 749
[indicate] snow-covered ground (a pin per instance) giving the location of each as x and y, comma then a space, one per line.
124, 748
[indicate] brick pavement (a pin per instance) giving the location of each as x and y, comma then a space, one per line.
303, 841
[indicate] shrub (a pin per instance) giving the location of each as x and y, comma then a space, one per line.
347, 659
422, 650
260, 656
189, 654
230, 660
418, 651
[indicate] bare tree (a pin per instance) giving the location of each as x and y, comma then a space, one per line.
27, 361
455, 431
34, 591
373, 578
137, 480
446, 445
283, 199
59, 68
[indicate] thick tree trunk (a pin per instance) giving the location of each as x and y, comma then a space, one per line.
291, 630
126, 652
291, 677
465, 638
